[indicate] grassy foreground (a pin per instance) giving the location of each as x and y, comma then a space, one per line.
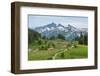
60, 45
74, 53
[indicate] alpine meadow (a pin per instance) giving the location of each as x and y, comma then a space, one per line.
57, 37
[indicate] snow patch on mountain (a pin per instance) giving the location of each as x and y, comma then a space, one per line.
53, 29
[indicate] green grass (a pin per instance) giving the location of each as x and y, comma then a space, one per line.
41, 55
75, 53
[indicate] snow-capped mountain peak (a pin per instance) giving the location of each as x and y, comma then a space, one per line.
49, 27
54, 29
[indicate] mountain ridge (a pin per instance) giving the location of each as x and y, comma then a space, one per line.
52, 29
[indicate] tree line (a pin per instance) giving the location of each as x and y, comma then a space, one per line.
33, 36
83, 39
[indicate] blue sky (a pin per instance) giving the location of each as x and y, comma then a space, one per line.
41, 20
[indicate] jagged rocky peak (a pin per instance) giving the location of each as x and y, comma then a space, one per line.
59, 24
53, 29
51, 25
70, 26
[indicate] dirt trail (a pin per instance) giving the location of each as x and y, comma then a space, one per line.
54, 57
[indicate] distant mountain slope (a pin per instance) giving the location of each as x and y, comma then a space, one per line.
70, 32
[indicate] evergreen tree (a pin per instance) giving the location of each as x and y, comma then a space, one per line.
52, 38
33, 35
61, 37
83, 39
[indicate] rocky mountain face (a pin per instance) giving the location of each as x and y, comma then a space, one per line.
69, 32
